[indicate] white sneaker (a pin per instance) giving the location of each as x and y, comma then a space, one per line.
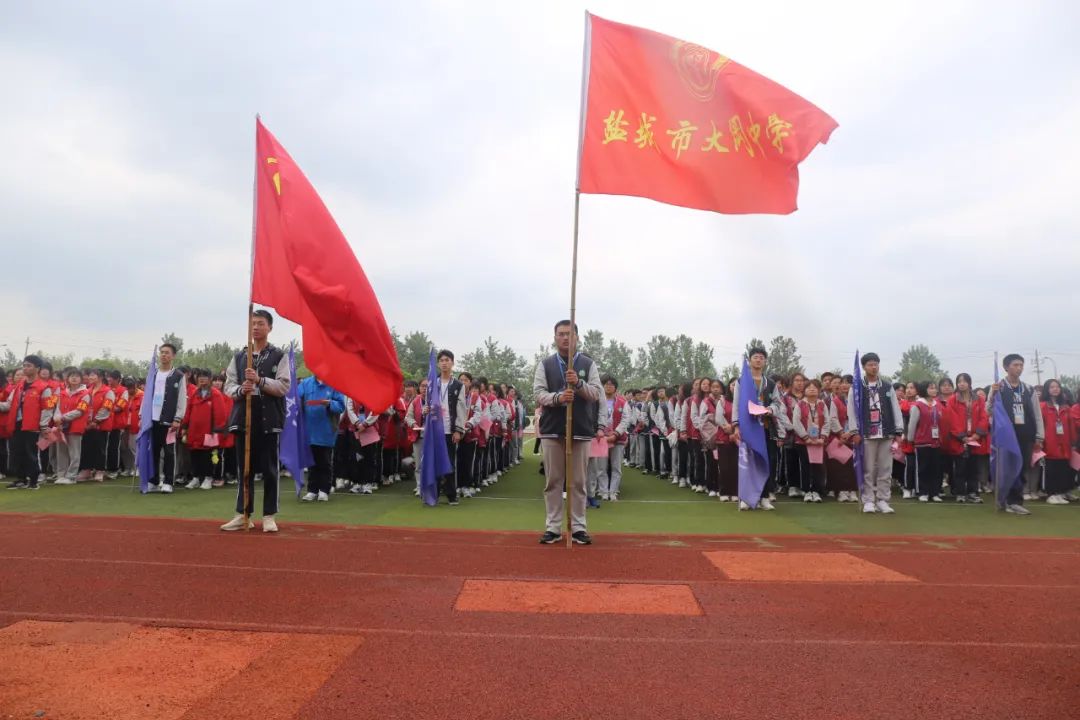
807, 498
937, 498
772, 497
614, 497
674, 481
924, 498
908, 494
71, 481
725, 498
1052, 500
1017, 510
683, 483
884, 507
207, 484
237, 523
869, 507
357, 489
817, 497
416, 492
323, 497
794, 492
1029, 496
165, 488
339, 483
766, 504
713, 493
269, 523
309, 497
743, 505
192, 484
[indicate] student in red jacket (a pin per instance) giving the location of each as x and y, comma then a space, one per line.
965, 430
1060, 438
204, 419
71, 416
225, 471
102, 398
924, 432
7, 421
29, 403
113, 442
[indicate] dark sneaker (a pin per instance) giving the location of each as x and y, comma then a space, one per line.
594, 502
975, 499
550, 538
17, 485
454, 502
581, 538
32, 486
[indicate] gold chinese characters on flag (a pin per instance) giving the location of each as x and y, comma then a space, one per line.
676, 122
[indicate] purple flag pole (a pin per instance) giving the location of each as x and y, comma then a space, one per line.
144, 446
295, 448
434, 458
856, 396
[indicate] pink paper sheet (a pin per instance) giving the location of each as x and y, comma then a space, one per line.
838, 451
368, 436
1036, 457
816, 453
756, 409
1074, 460
598, 448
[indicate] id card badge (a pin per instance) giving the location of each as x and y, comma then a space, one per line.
1018, 413
934, 432
813, 432
969, 426
875, 416
1059, 428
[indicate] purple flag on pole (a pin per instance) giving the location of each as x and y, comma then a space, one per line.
753, 452
144, 446
434, 459
295, 448
856, 396
1006, 461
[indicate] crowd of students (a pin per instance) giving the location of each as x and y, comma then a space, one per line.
940, 437
79, 425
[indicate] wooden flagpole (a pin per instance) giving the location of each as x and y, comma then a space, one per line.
250, 341
570, 365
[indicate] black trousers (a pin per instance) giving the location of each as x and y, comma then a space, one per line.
158, 434
112, 450
684, 459
25, 461
318, 478
264, 460
697, 462
1057, 477
812, 476
4, 457
448, 483
728, 467
466, 456
365, 468
962, 478
344, 458
93, 451
202, 466
928, 471
712, 471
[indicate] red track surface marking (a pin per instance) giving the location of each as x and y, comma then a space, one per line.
118, 671
802, 567
581, 598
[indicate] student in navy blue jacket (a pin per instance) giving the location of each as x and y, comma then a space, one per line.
323, 406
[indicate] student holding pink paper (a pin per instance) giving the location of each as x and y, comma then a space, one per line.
841, 475
967, 432
1060, 438
813, 422
924, 432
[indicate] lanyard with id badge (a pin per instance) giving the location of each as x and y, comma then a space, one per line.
935, 432
1059, 426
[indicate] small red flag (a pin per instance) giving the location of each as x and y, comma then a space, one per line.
678, 123
304, 268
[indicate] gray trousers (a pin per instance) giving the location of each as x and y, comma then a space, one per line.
127, 452
877, 470
67, 457
554, 453
417, 451
599, 481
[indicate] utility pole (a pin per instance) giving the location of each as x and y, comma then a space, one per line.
27, 350
1038, 369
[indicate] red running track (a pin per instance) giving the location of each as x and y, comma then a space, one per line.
966, 627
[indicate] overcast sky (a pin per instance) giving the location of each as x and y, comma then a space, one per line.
442, 136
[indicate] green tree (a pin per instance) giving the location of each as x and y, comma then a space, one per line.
611, 357
784, 357
215, 357
918, 364
729, 371
754, 343
669, 360
414, 354
499, 364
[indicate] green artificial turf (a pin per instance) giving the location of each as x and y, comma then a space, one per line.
648, 505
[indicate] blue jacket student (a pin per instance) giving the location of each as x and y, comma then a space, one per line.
321, 419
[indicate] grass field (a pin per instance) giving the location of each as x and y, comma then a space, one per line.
648, 505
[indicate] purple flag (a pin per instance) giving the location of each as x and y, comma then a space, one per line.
753, 452
295, 449
434, 459
144, 446
856, 397
1006, 462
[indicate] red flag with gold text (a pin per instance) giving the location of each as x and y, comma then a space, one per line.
304, 268
675, 122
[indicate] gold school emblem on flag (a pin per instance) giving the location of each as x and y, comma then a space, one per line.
698, 67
